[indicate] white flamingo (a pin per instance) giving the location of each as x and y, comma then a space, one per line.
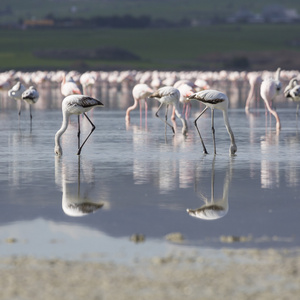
255, 81
16, 93
214, 100
169, 95
69, 87
292, 91
140, 91
269, 89
31, 96
75, 105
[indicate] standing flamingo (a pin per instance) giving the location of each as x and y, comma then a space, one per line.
255, 81
269, 89
31, 96
214, 100
75, 105
293, 91
169, 95
69, 87
140, 91
16, 93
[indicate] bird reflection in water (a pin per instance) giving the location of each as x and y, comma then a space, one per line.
74, 202
214, 208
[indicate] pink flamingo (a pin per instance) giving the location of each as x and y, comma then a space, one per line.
69, 87
269, 89
255, 81
140, 91
292, 91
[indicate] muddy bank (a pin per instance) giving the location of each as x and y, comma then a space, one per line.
227, 274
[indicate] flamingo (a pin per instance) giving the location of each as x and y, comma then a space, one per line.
140, 91
16, 93
169, 95
293, 91
269, 89
185, 90
75, 105
69, 87
214, 100
255, 81
31, 96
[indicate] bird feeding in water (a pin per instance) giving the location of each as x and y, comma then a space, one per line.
16, 93
31, 96
169, 95
141, 91
214, 100
75, 105
292, 91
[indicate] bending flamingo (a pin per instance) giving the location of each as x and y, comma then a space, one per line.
293, 91
214, 100
269, 89
169, 95
140, 91
75, 105
31, 96
16, 93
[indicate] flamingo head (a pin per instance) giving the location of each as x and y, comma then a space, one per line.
58, 150
232, 149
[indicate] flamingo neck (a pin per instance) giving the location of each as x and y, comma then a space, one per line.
274, 113
184, 124
60, 132
228, 127
130, 108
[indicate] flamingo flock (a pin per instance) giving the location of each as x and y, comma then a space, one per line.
177, 90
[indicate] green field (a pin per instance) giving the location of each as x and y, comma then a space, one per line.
210, 47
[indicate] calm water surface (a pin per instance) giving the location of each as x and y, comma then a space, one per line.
137, 179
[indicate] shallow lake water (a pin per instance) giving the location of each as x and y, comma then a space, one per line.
136, 179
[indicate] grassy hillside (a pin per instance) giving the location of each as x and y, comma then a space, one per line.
214, 47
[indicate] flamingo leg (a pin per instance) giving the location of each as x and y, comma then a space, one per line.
93, 128
195, 123
165, 121
78, 132
213, 130
146, 112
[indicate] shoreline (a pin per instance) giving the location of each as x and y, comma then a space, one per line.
225, 274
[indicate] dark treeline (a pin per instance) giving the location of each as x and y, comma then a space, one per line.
125, 21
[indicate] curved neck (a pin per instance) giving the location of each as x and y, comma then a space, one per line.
130, 108
228, 127
62, 129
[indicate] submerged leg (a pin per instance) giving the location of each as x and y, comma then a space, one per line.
213, 130
165, 121
93, 128
195, 123
78, 132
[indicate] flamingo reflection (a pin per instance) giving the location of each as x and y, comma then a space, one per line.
75, 202
214, 208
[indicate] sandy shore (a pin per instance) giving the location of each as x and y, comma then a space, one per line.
227, 274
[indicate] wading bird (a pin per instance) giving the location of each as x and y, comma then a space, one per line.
169, 95
31, 96
269, 89
214, 100
16, 93
69, 87
292, 91
140, 91
75, 105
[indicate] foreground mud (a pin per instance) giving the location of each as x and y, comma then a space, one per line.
229, 274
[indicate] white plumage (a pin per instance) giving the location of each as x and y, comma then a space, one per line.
214, 100
75, 105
